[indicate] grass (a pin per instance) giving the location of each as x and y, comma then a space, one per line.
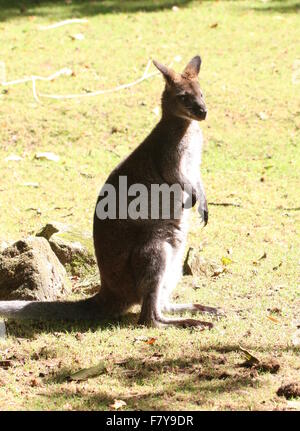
247, 70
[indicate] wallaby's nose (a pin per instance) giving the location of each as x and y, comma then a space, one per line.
200, 111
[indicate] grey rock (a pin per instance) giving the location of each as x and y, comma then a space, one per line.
74, 249
30, 270
196, 265
3, 245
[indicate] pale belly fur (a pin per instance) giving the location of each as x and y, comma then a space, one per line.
190, 168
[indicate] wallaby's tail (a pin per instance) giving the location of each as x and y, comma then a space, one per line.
87, 309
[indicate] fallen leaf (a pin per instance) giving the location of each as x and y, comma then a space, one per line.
87, 373
78, 36
263, 256
47, 156
263, 116
34, 383
214, 25
273, 319
151, 340
275, 310
34, 185
251, 359
277, 267
226, 260
147, 340
218, 270
118, 404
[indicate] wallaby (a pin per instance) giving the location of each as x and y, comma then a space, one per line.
140, 260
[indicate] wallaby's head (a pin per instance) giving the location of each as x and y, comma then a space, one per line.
182, 96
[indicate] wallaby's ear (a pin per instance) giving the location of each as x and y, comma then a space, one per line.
193, 68
168, 74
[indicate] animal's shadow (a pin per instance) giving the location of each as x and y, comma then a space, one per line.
29, 329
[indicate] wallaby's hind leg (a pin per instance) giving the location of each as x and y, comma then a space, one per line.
152, 268
173, 275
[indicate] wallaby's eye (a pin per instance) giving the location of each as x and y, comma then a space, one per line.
183, 97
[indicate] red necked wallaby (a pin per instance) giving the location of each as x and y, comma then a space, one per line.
140, 258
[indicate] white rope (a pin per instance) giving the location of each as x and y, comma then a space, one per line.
64, 71
61, 23
98, 92
68, 72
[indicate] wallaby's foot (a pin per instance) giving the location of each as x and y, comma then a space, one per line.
151, 316
162, 322
188, 323
194, 308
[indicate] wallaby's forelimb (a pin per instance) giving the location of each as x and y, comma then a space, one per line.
201, 197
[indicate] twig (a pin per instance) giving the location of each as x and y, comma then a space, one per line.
61, 23
224, 204
290, 209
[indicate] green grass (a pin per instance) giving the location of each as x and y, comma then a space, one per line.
247, 69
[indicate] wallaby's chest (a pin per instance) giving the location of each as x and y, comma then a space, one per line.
190, 156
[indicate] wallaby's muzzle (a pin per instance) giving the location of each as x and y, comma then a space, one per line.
199, 114
199, 110
202, 115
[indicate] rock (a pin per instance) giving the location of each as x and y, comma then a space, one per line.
188, 262
3, 245
48, 230
74, 249
30, 270
195, 264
